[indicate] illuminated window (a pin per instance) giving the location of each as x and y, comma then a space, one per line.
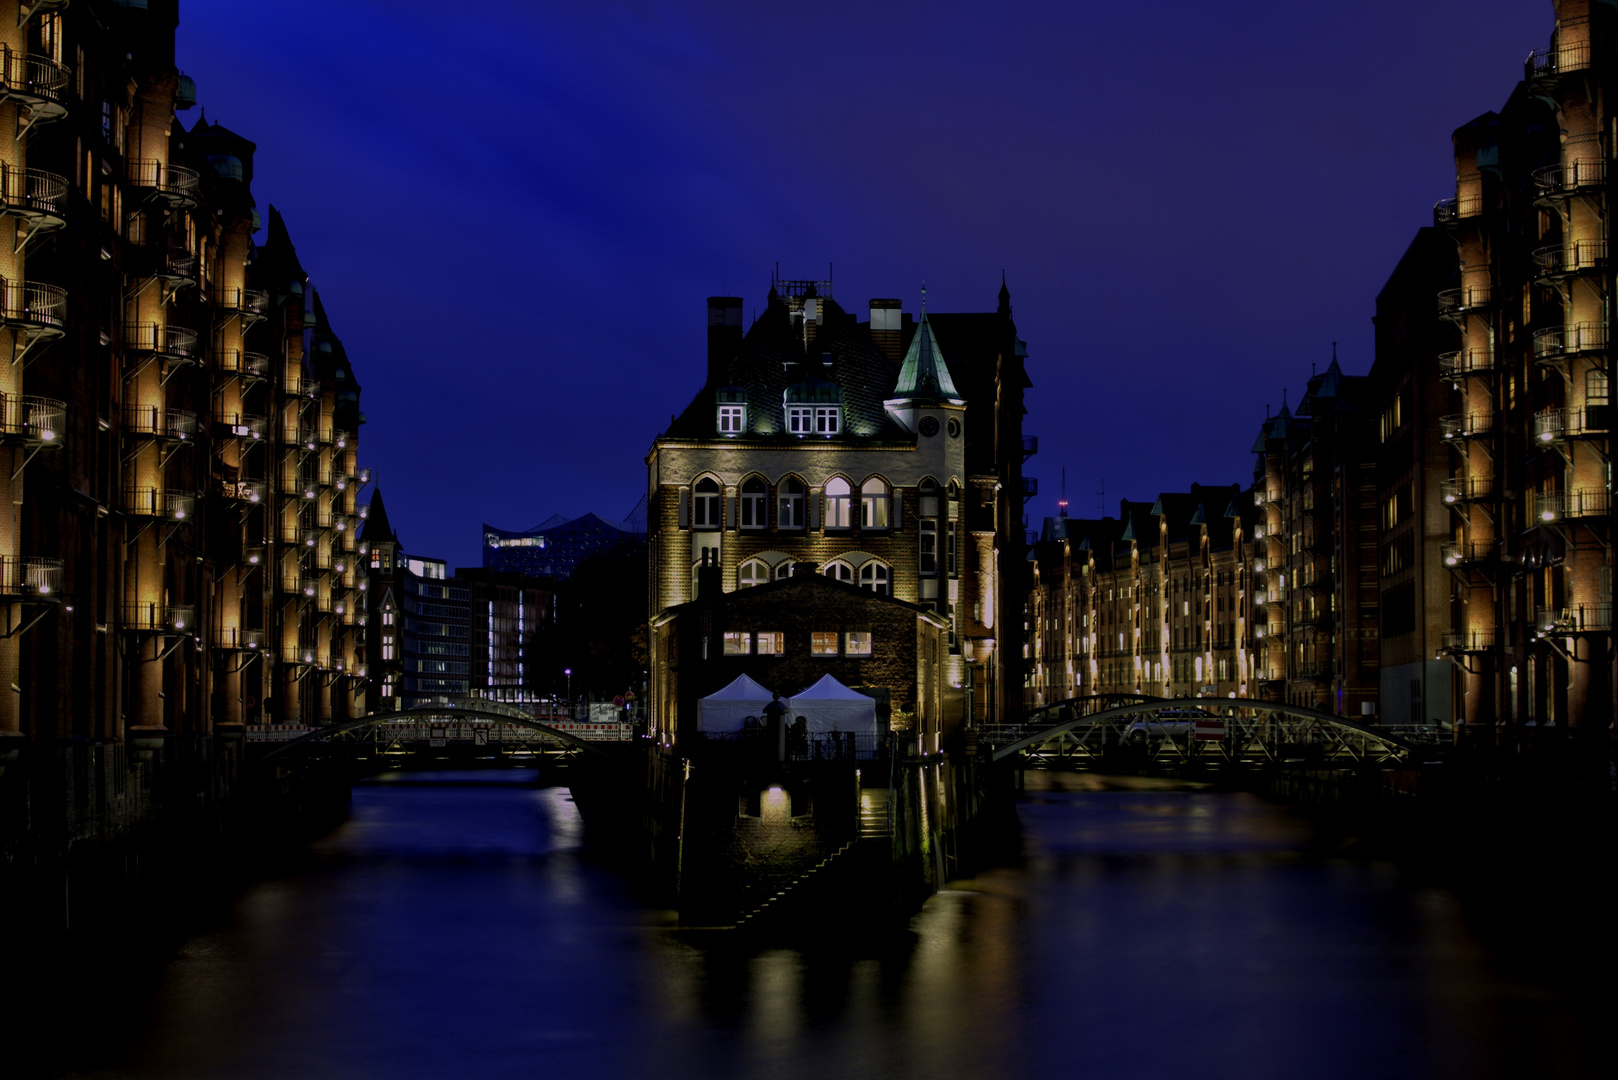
874, 576
857, 643
752, 572
828, 419
800, 419
792, 501
754, 495
839, 503
823, 643
737, 643
839, 571
769, 643
928, 564
731, 419
873, 504
706, 504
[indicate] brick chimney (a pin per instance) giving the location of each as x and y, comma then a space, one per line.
887, 328
724, 336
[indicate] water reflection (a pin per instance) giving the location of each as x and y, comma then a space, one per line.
456, 926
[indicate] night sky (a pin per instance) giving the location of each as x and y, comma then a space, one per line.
514, 211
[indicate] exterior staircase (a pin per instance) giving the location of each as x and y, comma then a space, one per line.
874, 830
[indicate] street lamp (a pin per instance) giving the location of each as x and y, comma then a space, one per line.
569, 673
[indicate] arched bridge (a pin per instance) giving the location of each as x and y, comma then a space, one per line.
492, 712
1080, 731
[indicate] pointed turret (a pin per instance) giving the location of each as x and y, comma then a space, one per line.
1005, 296
377, 529
924, 373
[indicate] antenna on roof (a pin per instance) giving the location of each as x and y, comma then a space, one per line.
924, 298
1061, 505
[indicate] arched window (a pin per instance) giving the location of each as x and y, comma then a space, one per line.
839, 571
874, 504
706, 504
754, 494
783, 569
839, 503
874, 576
793, 496
752, 572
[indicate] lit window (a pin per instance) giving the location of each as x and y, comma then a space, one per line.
857, 643
839, 503
800, 419
874, 576
769, 643
873, 504
754, 495
792, 503
737, 643
783, 570
928, 564
828, 419
752, 572
823, 643
731, 419
705, 504
839, 571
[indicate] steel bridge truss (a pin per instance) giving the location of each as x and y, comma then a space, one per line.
505, 726
1080, 732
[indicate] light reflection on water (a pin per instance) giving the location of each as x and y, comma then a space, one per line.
458, 928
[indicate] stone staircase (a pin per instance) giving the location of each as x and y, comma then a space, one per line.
874, 829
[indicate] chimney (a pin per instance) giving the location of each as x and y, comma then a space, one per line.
724, 336
887, 328
710, 579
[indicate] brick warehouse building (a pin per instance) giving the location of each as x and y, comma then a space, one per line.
180, 421
887, 452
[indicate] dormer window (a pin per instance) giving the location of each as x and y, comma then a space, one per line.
828, 420
814, 406
732, 406
800, 419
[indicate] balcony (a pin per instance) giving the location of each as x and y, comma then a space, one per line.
37, 197
1555, 425
152, 615
1467, 553
1453, 303
152, 503
1554, 343
173, 343
1548, 507
1569, 258
173, 186
29, 578
252, 366
1455, 366
152, 421
1583, 618
1452, 211
341, 438
1457, 428
239, 639
251, 303
1559, 59
35, 83
1560, 181
296, 581
1460, 642
33, 421
1465, 489
247, 491
38, 310
1030, 446
176, 266
243, 426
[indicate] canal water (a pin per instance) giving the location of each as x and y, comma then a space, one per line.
457, 926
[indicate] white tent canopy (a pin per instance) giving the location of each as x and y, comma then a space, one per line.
828, 706
727, 709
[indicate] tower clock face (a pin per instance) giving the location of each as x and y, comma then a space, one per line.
954, 428
929, 426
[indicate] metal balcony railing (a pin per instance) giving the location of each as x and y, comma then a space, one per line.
34, 420
34, 194
1554, 342
161, 423
33, 81
1545, 507
1467, 552
1558, 60
1470, 426
1468, 641
1463, 362
1464, 299
243, 426
1584, 617
176, 342
1030, 446
1462, 489
247, 301
1570, 257
40, 309
150, 502
251, 365
30, 577
1555, 180
1454, 209
175, 265
236, 637
156, 615
172, 184
248, 491
1552, 425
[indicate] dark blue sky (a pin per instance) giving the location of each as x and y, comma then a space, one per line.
515, 210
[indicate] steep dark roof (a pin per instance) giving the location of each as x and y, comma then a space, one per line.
377, 527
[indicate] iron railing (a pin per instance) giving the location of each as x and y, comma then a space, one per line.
243, 425
174, 183
157, 615
159, 422
32, 192
1545, 507
1463, 362
35, 306
32, 419
1466, 552
1469, 426
1570, 257
1459, 489
1575, 175
32, 79
1554, 342
1551, 425
248, 301
1468, 641
30, 577
174, 341
236, 637
152, 502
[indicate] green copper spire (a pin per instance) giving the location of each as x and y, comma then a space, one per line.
924, 374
